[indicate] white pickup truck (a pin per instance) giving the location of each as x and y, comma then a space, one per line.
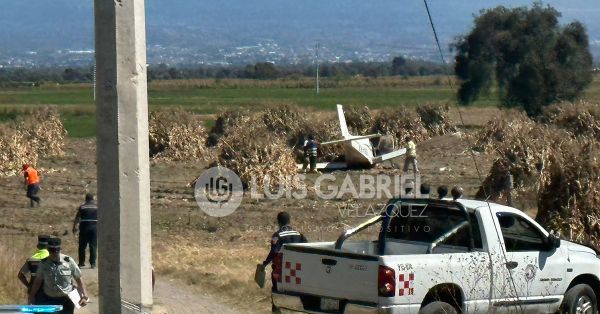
440, 256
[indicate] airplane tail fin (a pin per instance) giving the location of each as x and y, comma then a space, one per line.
343, 125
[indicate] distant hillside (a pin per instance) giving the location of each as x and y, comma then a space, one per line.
205, 26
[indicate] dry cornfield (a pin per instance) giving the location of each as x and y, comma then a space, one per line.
40, 133
435, 119
176, 134
259, 156
400, 122
556, 159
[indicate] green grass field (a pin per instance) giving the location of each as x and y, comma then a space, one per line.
77, 108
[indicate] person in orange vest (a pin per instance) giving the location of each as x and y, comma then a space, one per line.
32, 184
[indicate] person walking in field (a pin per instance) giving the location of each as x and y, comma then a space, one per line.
285, 234
31, 184
411, 155
87, 218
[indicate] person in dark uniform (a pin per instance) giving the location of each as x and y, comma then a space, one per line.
311, 146
87, 218
55, 276
31, 265
285, 234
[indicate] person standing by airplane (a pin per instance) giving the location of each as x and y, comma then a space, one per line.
311, 147
411, 155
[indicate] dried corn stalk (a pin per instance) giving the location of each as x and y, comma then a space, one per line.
400, 122
359, 119
435, 119
44, 131
258, 156
176, 134
15, 151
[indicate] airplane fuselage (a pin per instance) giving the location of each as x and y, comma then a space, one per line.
359, 152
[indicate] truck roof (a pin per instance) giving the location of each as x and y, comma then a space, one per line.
468, 204
475, 204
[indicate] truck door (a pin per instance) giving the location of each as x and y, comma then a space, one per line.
534, 270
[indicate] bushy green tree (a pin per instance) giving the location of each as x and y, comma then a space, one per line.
532, 59
265, 70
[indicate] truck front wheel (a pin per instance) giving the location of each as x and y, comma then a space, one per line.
580, 299
438, 307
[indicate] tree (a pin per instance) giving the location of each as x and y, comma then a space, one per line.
398, 64
527, 54
265, 70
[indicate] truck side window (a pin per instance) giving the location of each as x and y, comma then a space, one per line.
426, 224
519, 234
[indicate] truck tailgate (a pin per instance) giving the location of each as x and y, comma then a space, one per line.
326, 272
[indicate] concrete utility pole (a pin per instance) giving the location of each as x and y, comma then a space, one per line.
317, 57
123, 162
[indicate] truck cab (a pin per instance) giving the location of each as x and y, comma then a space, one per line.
430, 256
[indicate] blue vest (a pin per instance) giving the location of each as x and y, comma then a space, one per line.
88, 214
311, 147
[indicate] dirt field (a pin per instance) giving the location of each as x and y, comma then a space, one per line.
214, 257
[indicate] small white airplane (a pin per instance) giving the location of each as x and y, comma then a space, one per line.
358, 149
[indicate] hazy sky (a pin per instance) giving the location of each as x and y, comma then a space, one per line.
55, 23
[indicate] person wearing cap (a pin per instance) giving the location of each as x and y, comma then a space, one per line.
55, 277
87, 218
31, 184
31, 264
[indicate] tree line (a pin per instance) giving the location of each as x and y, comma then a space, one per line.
399, 66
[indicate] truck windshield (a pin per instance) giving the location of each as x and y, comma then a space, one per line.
426, 223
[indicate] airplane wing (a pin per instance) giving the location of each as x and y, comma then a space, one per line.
394, 154
332, 165
351, 139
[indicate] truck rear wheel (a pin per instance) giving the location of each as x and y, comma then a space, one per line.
438, 307
580, 299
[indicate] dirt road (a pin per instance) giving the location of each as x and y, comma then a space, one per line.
170, 296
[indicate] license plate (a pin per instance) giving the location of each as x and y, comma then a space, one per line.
330, 304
